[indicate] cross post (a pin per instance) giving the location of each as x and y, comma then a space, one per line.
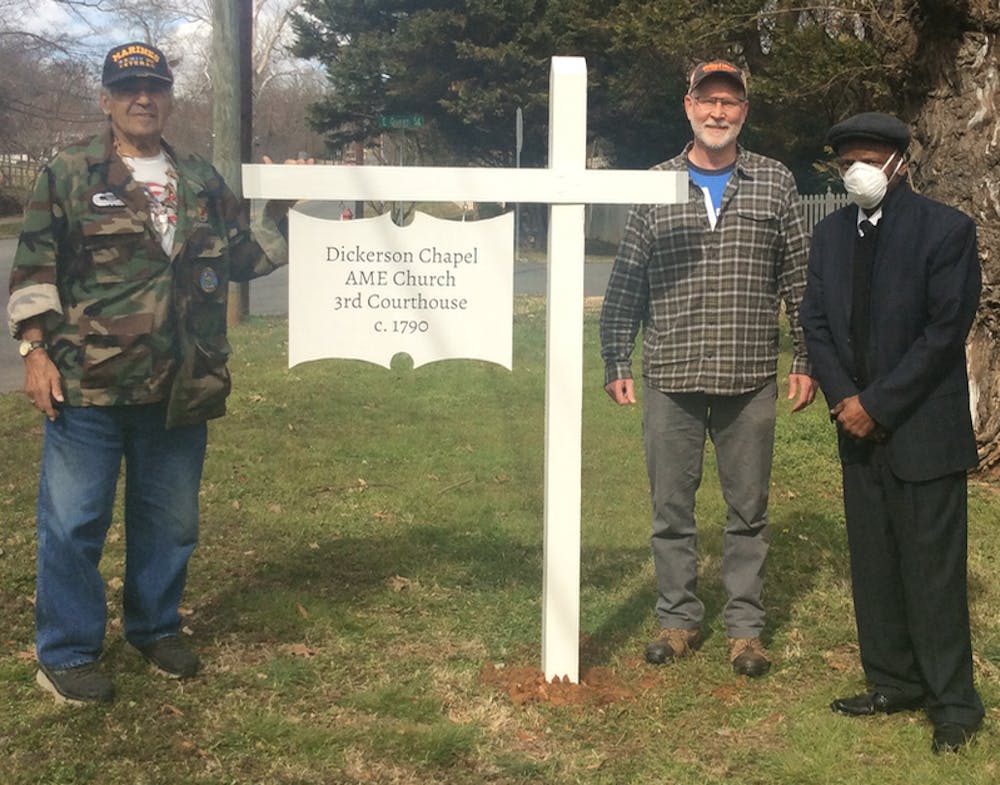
566, 186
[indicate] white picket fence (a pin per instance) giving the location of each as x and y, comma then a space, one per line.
818, 206
606, 222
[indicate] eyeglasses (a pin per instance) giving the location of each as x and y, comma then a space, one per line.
727, 104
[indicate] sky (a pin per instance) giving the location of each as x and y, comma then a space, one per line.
48, 17
93, 32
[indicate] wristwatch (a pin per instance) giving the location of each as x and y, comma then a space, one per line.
27, 347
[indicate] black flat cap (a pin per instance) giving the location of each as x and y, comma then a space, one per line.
873, 126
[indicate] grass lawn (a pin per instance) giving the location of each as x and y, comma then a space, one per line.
369, 578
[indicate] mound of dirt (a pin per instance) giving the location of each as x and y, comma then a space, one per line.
598, 686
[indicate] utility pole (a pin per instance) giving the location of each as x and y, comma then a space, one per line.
518, 144
232, 109
359, 160
246, 113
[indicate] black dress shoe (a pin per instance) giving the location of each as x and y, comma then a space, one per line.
951, 737
868, 703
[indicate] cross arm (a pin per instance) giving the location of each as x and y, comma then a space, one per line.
459, 184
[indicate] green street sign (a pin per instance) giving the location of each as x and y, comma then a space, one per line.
401, 121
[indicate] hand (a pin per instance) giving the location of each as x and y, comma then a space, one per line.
804, 386
852, 418
622, 391
277, 209
42, 384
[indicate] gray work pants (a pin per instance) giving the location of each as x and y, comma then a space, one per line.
742, 430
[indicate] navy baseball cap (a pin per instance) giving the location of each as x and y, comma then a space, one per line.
133, 61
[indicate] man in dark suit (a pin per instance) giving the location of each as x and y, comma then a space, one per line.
893, 287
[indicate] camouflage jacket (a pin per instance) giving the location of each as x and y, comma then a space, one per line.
125, 322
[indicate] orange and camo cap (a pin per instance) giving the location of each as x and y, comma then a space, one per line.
722, 68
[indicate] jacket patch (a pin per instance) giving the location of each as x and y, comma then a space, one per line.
106, 199
208, 280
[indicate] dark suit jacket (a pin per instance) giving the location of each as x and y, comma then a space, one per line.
924, 293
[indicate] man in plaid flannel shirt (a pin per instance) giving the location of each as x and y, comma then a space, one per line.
705, 279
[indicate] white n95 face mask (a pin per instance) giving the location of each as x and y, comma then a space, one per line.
866, 185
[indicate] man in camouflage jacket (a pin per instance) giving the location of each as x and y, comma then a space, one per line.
118, 294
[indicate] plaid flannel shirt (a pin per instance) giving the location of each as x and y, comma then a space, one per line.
708, 299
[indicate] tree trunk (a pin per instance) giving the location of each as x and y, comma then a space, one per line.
227, 119
956, 158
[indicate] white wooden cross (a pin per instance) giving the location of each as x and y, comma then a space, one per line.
566, 185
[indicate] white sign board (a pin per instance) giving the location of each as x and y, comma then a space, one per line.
566, 185
369, 289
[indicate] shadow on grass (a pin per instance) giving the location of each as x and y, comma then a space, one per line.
808, 546
425, 568
798, 557
483, 584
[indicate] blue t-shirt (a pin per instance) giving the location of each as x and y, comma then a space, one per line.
712, 181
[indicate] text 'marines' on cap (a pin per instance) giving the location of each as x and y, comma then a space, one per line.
135, 60
721, 68
870, 126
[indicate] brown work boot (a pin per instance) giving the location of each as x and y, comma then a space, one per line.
748, 657
673, 643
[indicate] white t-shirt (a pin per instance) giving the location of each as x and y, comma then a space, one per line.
159, 180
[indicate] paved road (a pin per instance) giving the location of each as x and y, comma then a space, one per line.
11, 365
269, 296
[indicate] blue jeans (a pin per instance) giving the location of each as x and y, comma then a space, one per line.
81, 460
742, 429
